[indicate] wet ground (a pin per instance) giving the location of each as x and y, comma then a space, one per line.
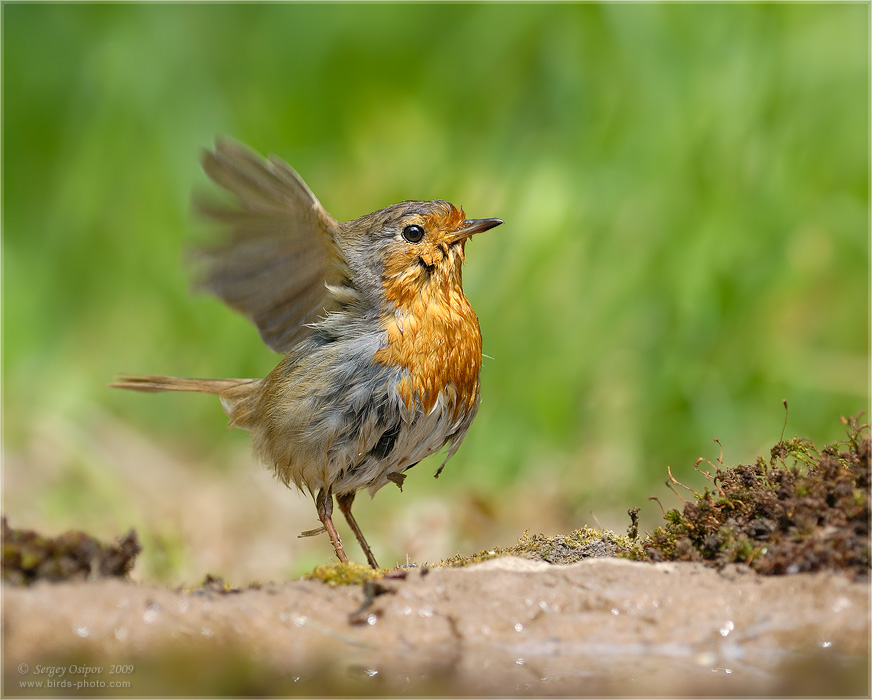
503, 627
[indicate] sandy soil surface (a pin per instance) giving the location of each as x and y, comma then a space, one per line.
504, 627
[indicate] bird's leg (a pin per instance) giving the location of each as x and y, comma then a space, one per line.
344, 501
324, 504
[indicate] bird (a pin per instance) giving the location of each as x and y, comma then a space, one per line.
382, 351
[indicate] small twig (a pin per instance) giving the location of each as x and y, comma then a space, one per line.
705, 459
672, 488
597, 521
662, 509
721, 458
676, 481
371, 590
708, 475
786, 416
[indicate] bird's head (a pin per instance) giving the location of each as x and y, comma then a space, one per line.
405, 248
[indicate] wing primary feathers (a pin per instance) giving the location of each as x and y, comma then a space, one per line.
279, 251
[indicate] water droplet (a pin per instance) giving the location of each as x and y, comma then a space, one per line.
407, 610
615, 611
425, 612
519, 662
726, 628
151, 612
370, 672
371, 619
705, 658
842, 603
826, 644
83, 631
519, 627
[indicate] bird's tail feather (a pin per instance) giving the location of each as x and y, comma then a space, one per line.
152, 383
238, 396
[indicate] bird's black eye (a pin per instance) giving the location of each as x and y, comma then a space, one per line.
413, 233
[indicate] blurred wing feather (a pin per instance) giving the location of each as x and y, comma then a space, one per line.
280, 249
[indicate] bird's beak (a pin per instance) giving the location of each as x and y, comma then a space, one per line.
472, 226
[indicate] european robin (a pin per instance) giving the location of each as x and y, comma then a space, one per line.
382, 350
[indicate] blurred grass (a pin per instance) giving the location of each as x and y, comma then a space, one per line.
686, 196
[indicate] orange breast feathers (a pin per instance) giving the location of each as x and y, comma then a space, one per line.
432, 331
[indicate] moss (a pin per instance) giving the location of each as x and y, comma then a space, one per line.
349, 574
29, 557
466, 560
575, 546
803, 509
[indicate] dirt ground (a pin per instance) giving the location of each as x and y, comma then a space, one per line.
504, 627
79, 621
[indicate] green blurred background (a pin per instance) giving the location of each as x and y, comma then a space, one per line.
686, 196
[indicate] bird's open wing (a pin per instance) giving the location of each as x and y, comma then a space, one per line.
279, 249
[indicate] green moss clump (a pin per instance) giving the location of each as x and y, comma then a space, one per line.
800, 510
348, 574
477, 558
